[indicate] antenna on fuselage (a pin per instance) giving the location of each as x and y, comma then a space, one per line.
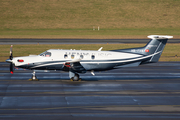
100, 49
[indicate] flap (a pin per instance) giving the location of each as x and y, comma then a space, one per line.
77, 67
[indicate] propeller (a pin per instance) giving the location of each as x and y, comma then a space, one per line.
11, 53
11, 68
11, 58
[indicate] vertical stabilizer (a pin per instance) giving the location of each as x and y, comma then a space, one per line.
152, 51
156, 46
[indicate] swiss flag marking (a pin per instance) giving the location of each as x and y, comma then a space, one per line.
147, 50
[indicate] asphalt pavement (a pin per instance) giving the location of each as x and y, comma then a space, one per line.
146, 92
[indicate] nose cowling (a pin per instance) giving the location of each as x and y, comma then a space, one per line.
9, 60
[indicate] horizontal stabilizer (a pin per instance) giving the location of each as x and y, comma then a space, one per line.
159, 36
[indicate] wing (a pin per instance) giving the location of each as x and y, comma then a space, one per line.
77, 67
74, 66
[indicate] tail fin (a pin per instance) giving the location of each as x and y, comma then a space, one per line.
152, 51
155, 47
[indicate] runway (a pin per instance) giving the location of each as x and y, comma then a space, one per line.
146, 92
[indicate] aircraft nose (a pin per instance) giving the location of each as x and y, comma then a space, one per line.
9, 61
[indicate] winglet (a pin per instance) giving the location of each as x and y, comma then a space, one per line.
159, 36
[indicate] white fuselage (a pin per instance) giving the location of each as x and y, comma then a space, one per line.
90, 60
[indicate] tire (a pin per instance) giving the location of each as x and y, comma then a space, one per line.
76, 77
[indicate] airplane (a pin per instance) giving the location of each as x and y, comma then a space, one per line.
81, 61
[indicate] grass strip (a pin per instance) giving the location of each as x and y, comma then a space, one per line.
88, 33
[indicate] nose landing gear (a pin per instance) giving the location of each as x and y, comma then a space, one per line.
33, 78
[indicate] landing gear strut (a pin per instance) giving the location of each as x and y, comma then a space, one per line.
33, 77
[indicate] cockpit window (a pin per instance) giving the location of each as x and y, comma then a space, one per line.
46, 54
42, 54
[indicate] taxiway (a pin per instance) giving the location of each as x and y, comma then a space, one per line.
77, 41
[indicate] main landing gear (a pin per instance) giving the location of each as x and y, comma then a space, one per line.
74, 76
33, 78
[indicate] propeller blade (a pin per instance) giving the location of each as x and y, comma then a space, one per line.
11, 68
11, 58
11, 53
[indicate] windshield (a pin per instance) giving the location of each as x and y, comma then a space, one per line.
45, 54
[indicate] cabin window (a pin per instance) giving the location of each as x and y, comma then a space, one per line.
81, 56
92, 57
72, 56
65, 56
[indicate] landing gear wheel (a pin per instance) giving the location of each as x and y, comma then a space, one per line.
33, 77
75, 78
